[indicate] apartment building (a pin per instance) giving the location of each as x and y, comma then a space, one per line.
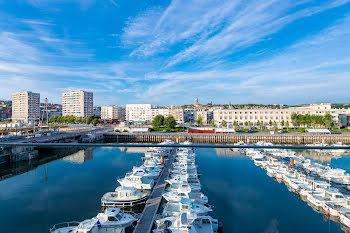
178, 113
25, 106
139, 112
111, 112
77, 103
278, 115
146, 112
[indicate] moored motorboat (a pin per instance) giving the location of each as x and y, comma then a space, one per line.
123, 197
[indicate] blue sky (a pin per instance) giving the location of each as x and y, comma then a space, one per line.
168, 52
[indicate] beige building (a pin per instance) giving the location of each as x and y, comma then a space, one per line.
111, 112
77, 103
277, 115
178, 113
25, 106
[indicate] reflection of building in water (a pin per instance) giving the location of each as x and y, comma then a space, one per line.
322, 156
17, 153
134, 149
227, 152
81, 156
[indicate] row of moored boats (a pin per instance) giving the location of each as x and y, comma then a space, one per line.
324, 188
186, 209
132, 194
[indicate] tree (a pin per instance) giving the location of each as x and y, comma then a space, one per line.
200, 120
295, 121
287, 125
224, 123
212, 123
308, 120
249, 124
282, 123
94, 121
313, 120
340, 124
275, 124
236, 125
262, 125
89, 119
270, 123
158, 121
170, 122
300, 120
328, 120
246, 123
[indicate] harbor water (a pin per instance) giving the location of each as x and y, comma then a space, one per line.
244, 198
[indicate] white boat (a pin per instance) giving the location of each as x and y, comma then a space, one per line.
111, 221
123, 197
345, 219
137, 181
175, 208
153, 174
330, 195
176, 196
185, 187
187, 222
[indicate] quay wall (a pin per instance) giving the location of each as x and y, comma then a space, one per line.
226, 138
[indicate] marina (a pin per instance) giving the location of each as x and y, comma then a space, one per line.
231, 186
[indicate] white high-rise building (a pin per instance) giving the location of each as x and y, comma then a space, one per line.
77, 103
25, 106
111, 112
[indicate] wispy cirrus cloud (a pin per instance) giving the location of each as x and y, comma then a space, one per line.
306, 70
209, 29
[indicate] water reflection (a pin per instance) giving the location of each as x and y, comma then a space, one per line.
81, 156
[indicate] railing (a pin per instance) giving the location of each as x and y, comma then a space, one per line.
169, 145
64, 225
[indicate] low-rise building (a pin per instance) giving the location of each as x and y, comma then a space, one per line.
280, 115
139, 112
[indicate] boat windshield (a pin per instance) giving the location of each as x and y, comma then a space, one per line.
119, 216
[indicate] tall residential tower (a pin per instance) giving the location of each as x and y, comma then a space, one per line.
77, 103
25, 106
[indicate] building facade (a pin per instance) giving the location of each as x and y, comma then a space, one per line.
266, 115
25, 107
77, 103
178, 113
146, 112
139, 112
111, 112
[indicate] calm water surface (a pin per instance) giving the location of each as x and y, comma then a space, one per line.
245, 199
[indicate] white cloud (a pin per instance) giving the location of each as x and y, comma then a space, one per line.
211, 29
314, 69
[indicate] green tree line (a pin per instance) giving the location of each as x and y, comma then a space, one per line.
326, 121
168, 122
93, 119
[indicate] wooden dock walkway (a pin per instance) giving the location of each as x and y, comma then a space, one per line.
152, 205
